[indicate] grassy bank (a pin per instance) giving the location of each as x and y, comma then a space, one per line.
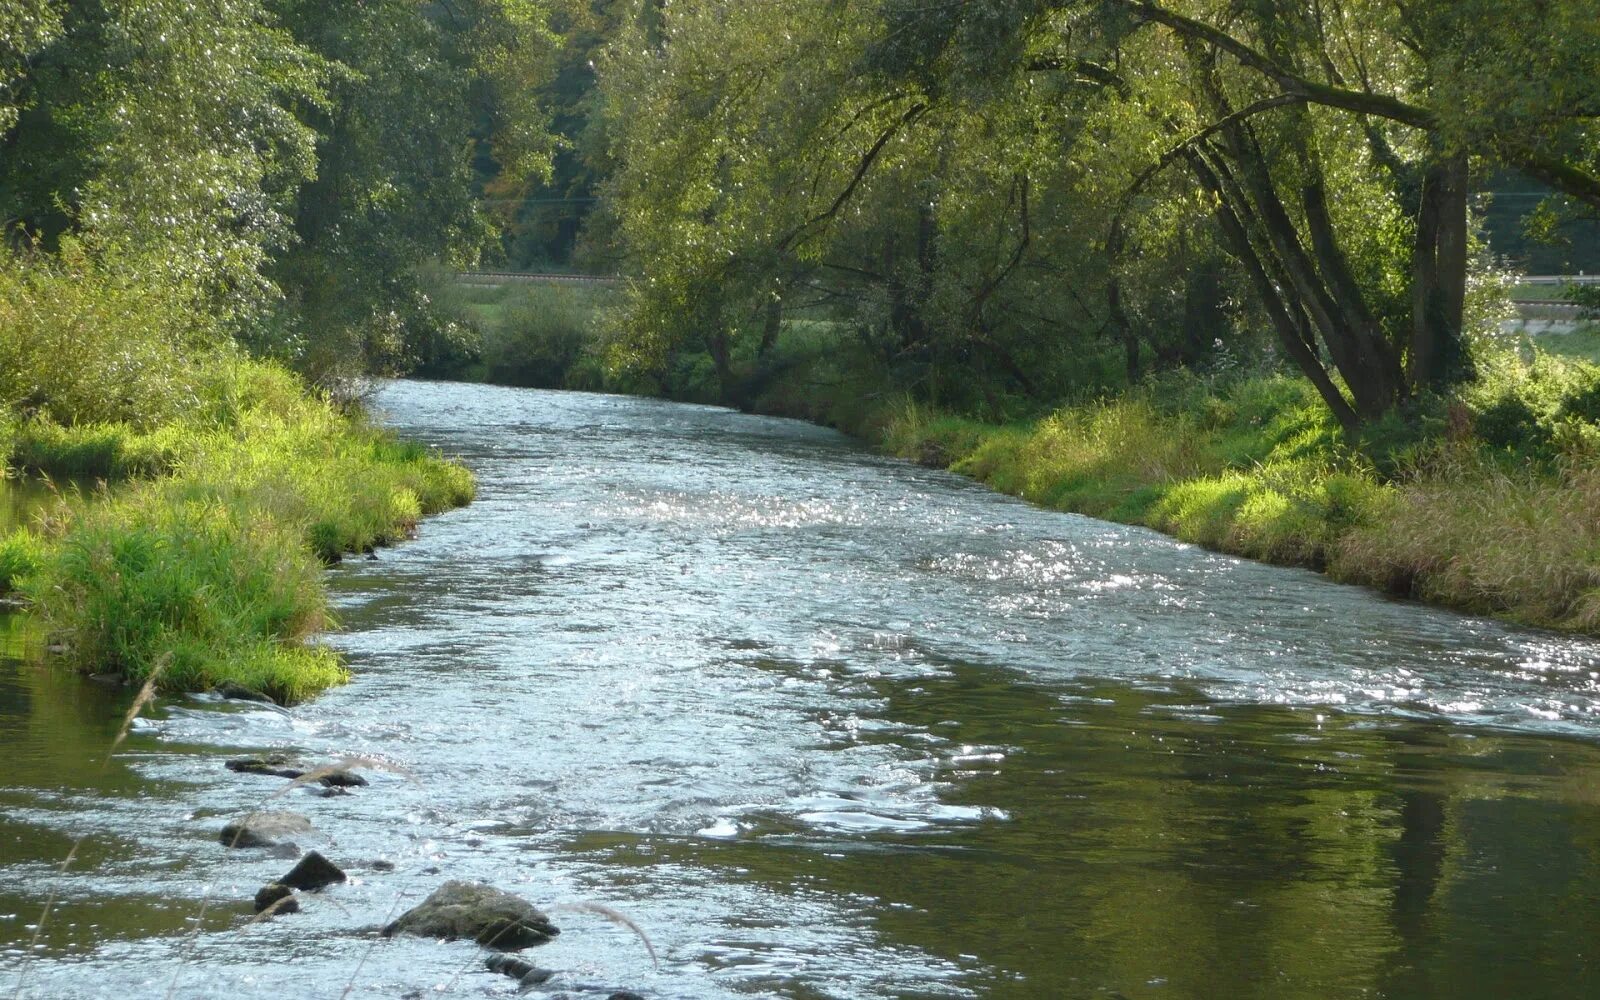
230, 487
1492, 506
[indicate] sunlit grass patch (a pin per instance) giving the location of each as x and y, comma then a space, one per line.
1503, 517
213, 591
21, 554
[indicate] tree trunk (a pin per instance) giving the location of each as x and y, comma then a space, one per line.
1287, 318
1437, 354
771, 326
717, 346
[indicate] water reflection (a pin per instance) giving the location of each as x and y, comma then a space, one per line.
832, 726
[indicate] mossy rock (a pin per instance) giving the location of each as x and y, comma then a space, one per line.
493, 918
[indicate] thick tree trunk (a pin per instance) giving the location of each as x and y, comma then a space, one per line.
1437, 354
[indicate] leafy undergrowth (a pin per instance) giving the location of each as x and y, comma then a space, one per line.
232, 486
1490, 504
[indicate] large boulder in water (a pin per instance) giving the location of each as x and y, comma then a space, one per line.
481, 912
264, 829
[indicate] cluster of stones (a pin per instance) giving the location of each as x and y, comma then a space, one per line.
455, 911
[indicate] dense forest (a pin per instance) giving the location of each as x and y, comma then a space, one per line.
1236, 270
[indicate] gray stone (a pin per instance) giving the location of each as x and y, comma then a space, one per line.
522, 971
313, 872
277, 765
493, 918
277, 897
263, 829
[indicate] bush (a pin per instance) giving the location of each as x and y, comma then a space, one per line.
80, 344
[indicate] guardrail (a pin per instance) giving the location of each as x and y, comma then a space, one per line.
532, 277
1559, 279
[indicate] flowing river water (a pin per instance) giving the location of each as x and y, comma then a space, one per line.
825, 724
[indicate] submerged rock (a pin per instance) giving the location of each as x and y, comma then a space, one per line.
264, 829
493, 918
278, 765
313, 872
238, 692
343, 779
522, 971
278, 898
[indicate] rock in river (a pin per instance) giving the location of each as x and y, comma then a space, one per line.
264, 829
523, 972
313, 872
278, 898
481, 912
276, 764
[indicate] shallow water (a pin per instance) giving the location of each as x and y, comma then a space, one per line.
829, 725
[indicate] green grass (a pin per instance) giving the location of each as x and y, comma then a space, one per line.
1581, 344
21, 556
1540, 293
211, 570
202, 563
1491, 504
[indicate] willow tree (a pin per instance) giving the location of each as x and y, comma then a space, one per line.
770, 158
1328, 149
1304, 109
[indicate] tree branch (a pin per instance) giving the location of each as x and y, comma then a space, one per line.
1291, 83
912, 114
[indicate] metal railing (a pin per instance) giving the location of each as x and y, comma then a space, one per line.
532, 277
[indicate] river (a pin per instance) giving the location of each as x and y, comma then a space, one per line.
826, 724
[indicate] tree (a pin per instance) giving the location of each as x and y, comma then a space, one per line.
417, 94
1329, 150
160, 132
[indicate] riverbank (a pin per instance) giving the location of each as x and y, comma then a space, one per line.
1254, 468
210, 490
1488, 503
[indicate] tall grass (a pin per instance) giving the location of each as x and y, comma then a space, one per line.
234, 484
1490, 504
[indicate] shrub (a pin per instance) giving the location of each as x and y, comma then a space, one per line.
81, 344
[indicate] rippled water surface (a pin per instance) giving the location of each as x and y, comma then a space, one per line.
829, 725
